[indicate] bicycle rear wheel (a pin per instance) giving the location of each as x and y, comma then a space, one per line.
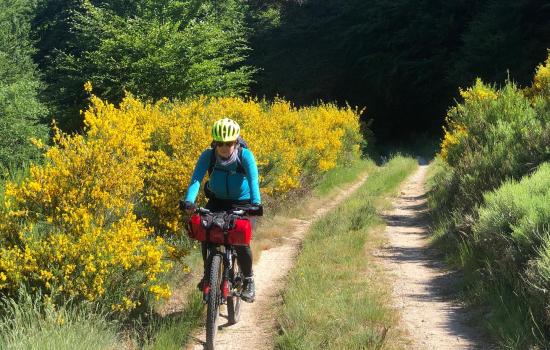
212, 312
234, 302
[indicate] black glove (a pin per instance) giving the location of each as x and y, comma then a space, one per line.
256, 210
186, 205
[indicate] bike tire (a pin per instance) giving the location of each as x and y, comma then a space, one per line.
234, 302
213, 307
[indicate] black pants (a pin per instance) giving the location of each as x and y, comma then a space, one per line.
244, 254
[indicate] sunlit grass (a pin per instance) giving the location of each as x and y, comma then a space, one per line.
334, 299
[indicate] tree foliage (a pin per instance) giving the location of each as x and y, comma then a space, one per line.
153, 49
20, 109
403, 59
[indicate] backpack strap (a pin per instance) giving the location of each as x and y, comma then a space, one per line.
212, 160
240, 167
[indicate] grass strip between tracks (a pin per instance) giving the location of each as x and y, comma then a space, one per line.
336, 298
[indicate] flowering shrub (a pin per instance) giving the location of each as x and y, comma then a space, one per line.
477, 98
89, 222
494, 134
451, 139
70, 227
491, 210
541, 82
287, 144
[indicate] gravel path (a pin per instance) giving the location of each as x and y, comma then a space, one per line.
423, 290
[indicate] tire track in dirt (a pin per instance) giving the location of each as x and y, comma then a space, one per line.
423, 291
257, 327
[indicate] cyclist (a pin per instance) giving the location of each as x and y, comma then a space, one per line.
233, 182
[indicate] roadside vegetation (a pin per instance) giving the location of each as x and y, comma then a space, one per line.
74, 230
29, 324
335, 299
27, 319
89, 182
490, 197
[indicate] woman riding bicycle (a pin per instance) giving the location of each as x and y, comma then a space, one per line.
233, 183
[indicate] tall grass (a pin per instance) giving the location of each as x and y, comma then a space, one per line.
507, 261
27, 323
174, 330
330, 302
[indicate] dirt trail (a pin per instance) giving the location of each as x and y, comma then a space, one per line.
257, 327
423, 289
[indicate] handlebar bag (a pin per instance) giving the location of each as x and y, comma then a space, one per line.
241, 233
204, 228
195, 229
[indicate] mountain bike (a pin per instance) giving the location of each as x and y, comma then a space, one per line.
222, 231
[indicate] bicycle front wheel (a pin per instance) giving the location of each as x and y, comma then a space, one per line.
212, 312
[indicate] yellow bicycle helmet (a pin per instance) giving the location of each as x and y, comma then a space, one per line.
225, 130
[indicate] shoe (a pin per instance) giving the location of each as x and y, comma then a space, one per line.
249, 291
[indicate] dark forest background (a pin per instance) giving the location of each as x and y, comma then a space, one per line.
403, 60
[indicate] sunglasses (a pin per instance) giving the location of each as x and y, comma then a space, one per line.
228, 144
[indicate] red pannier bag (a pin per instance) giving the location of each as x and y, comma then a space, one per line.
240, 234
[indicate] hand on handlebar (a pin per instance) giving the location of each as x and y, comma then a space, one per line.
256, 210
252, 209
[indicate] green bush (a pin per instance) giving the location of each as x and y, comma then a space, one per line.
488, 214
500, 139
20, 108
511, 241
494, 135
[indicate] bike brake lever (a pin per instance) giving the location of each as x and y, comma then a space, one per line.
202, 211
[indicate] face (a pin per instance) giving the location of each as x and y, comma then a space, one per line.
224, 149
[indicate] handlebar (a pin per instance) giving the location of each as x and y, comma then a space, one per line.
250, 209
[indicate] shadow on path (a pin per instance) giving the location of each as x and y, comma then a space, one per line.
427, 290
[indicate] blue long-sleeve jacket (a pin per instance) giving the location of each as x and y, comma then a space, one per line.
226, 182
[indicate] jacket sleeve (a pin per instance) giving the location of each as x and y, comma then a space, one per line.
251, 169
198, 174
